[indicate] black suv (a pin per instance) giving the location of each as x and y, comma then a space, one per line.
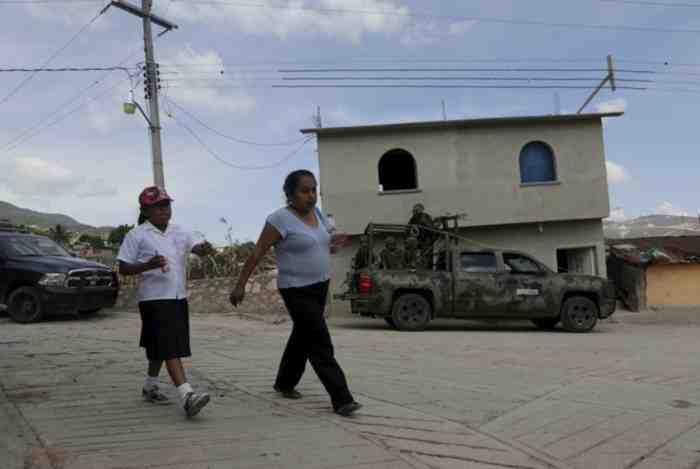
38, 277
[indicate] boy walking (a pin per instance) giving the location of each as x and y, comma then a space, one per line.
157, 252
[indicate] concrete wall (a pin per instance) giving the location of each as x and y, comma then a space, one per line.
673, 285
467, 170
523, 237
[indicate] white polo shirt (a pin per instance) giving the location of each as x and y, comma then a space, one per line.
142, 243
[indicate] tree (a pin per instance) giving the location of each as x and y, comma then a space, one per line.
60, 235
95, 242
116, 236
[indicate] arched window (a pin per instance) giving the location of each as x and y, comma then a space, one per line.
397, 171
537, 163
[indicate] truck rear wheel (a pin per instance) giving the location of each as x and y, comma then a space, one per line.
411, 312
579, 314
24, 305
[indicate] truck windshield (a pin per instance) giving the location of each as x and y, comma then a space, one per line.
31, 246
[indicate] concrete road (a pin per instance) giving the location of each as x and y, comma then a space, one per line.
460, 395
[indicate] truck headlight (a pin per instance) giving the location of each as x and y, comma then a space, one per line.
53, 280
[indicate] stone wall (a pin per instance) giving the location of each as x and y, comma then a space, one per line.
211, 295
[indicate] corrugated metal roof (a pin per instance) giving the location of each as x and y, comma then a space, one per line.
446, 124
661, 250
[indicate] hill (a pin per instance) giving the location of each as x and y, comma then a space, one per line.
652, 226
23, 216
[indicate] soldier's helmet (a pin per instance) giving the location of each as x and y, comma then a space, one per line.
418, 208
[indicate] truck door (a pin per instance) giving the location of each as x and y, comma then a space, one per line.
527, 284
479, 285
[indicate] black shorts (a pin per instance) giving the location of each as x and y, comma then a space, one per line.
165, 329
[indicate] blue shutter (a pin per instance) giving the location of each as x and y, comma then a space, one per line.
537, 163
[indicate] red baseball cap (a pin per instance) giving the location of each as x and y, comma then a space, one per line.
152, 195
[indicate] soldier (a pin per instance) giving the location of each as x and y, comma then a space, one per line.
391, 256
413, 257
364, 257
422, 219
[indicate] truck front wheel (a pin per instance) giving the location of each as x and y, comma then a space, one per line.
579, 314
411, 312
24, 305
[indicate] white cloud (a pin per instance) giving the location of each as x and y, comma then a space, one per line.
36, 178
617, 215
97, 188
667, 208
613, 105
215, 93
349, 20
617, 174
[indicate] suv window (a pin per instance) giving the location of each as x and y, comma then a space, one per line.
519, 264
478, 262
31, 246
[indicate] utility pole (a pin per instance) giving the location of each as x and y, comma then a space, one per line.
152, 80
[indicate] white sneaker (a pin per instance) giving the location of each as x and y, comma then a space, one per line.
194, 402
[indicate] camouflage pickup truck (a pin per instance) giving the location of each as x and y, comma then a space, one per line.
452, 279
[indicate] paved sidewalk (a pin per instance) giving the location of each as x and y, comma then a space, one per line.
460, 395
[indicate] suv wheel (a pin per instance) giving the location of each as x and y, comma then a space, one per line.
24, 305
579, 314
546, 323
411, 312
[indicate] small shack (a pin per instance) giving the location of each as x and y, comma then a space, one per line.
663, 271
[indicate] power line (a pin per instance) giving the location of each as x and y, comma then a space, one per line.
653, 3
428, 15
32, 131
521, 87
508, 70
65, 69
228, 137
424, 78
24, 82
481, 19
237, 166
25, 137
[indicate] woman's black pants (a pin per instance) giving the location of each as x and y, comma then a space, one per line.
311, 340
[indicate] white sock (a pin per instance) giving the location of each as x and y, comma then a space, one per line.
151, 382
183, 390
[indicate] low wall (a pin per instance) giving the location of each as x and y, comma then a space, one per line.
211, 295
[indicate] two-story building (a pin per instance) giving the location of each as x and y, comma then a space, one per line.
536, 184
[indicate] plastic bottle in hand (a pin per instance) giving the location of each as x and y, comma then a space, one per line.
166, 268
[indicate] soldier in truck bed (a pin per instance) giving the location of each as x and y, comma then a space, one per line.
391, 257
413, 257
364, 257
421, 219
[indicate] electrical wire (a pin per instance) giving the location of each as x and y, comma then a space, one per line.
237, 166
26, 81
65, 69
229, 137
428, 15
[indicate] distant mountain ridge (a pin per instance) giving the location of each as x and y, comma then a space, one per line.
649, 226
24, 216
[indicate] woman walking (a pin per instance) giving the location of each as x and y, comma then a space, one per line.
302, 240
156, 251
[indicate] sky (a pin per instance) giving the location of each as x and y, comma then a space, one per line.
66, 146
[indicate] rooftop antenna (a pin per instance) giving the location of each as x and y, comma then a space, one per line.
610, 77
